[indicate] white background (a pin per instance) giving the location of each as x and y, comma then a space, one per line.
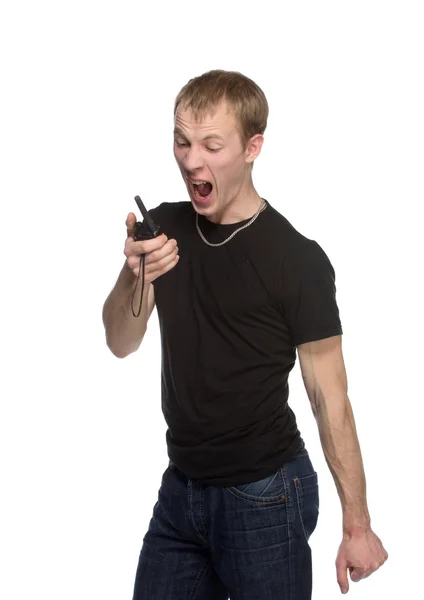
87, 91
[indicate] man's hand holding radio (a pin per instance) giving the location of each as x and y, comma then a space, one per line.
161, 254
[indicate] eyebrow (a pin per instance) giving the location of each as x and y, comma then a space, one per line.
207, 137
213, 136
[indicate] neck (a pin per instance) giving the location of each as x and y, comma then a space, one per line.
240, 208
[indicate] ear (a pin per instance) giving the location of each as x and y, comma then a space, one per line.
253, 148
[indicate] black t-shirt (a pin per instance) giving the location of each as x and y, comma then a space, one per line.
230, 319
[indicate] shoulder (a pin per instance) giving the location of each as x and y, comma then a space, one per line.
300, 256
293, 245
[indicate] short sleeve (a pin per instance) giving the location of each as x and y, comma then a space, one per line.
309, 294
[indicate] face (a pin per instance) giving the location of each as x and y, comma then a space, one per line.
213, 163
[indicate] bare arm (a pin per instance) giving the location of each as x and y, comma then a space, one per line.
324, 376
325, 380
124, 332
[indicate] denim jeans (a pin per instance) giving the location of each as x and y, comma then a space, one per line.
248, 542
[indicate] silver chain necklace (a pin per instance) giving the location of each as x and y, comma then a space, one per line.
255, 216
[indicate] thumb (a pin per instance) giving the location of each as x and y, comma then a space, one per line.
130, 223
342, 580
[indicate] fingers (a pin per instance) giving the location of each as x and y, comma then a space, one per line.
356, 574
167, 264
155, 269
133, 248
161, 255
169, 248
158, 260
362, 556
341, 566
359, 573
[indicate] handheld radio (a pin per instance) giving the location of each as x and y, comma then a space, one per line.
146, 230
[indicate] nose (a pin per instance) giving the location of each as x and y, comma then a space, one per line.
192, 160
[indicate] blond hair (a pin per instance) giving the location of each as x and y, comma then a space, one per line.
245, 98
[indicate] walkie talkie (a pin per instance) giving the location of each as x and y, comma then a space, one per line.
148, 228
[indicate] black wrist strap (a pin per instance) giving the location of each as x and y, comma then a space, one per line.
142, 268
142, 232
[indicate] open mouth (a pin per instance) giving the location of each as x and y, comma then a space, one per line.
201, 189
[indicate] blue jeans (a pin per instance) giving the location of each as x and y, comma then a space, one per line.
248, 542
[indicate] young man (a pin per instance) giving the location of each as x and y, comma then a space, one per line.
238, 289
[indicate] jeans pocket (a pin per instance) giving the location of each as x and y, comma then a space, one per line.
307, 502
269, 490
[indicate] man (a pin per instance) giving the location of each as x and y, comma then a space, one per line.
238, 289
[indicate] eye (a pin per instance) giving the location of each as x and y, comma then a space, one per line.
213, 149
181, 144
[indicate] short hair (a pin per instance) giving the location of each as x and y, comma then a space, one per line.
244, 97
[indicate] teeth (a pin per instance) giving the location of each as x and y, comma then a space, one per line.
198, 182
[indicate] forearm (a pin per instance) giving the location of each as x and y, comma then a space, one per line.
124, 332
342, 452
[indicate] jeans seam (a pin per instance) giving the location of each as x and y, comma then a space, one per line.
261, 500
190, 511
276, 501
196, 585
299, 502
287, 490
